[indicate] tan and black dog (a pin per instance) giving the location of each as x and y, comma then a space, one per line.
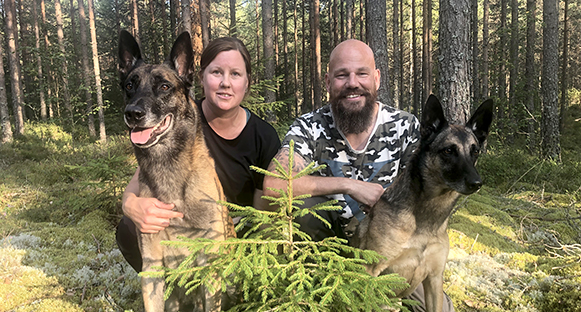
408, 224
175, 165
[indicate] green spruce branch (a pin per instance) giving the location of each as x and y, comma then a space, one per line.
277, 267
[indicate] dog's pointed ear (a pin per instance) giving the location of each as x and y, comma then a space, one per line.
129, 53
433, 119
181, 58
480, 121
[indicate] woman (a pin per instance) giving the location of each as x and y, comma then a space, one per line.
236, 138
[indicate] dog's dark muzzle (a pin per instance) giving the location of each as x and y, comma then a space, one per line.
134, 115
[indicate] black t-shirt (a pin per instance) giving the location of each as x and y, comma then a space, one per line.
256, 145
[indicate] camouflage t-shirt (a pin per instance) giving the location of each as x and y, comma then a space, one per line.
317, 139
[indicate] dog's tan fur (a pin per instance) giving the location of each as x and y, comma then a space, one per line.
177, 168
408, 224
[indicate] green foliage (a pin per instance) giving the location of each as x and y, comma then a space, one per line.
275, 266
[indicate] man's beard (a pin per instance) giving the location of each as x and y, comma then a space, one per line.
352, 121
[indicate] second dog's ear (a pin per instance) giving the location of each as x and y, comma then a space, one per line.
181, 58
433, 119
480, 121
129, 53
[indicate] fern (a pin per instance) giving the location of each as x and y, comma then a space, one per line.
277, 267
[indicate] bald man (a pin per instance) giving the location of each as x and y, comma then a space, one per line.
362, 142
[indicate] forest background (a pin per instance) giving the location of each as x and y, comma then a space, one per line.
65, 157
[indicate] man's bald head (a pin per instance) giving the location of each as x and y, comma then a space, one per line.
351, 48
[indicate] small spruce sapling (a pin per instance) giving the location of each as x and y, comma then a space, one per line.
277, 267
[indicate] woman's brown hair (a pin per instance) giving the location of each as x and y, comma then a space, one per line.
225, 44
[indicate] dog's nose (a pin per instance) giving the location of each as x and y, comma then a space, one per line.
134, 114
474, 185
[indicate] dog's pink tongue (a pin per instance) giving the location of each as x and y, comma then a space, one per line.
140, 137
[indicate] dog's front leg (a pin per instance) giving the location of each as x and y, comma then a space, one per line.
152, 288
434, 293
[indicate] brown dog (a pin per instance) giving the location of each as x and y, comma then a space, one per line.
175, 165
408, 224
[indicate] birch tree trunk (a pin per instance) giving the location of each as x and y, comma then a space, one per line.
86, 72
551, 147
454, 56
14, 65
186, 16
101, 112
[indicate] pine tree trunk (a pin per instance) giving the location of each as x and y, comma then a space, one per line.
401, 51
173, 14
39, 76
4, 113
25, 58
361, 21
233, 31
205, 21
287, 76
317, 92
427, 50
550, 81
153, 41
164, 35
531, 74
275, 38
475, 54
135, 21
86, 70
186, 16
14, 65
101, 112
514, 66
336, 31
454, 56
349, 19
415, 88
306, 104
73, 40
501, 56
257, 33
65, 74
485, 45
268, 45
397, 78
377, 24
564, 63
46, 47
296, 87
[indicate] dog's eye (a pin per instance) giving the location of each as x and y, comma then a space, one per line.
164, 87
129, 86
449, 151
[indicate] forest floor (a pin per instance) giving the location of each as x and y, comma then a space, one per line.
515, 245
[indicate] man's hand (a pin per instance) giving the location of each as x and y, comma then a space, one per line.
149, 214
365, 193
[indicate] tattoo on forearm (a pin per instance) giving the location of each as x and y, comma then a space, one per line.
283, 157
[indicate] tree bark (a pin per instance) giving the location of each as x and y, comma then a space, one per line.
39, 76
426, 50
305, 105
232, 30
86, 70
397, 78
454, 56
335, 24
361, 21
14, 65
153, 41
286, 84
65, 74
4, 114
317, 92
475, 54
46, 47
257, 33
565, 63
102, 132
514, 66
135, 21
268, 45
186, 16
550, 81
415, 72
531, 74
377, 24
485, 45
296, 86
349, 19
173, 14
26, 59
205, 21
501, 56
164, 28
